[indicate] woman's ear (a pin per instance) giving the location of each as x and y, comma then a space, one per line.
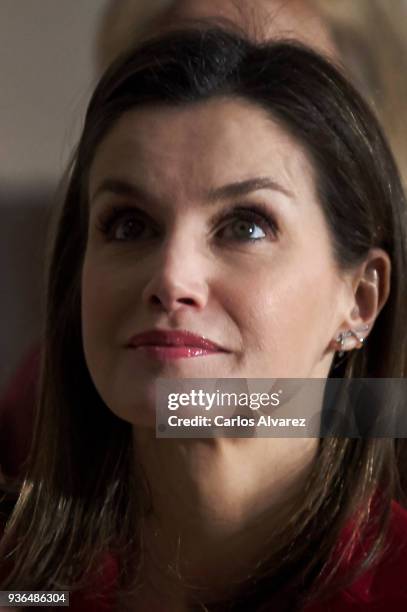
370, 289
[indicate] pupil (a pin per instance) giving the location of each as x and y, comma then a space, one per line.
128, 227
245, 226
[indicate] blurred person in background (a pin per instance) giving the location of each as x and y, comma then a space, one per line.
371, 36
131, 20
368, 37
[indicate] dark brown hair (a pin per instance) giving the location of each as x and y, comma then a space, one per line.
75, 504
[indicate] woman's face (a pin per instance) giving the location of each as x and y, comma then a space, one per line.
174, 244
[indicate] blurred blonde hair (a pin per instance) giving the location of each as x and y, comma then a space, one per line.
372, 38
354, 28
122, 24
125, 23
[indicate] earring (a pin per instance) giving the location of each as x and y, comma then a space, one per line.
341, 339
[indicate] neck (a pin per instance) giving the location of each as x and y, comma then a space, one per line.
217, 505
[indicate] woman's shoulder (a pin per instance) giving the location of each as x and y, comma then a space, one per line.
101, 597
384, 587
380, 589
388, 582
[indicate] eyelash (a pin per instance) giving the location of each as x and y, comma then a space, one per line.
253, 213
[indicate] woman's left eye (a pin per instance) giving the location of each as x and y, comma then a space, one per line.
248, 225
241, 229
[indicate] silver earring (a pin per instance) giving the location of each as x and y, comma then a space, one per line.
341, 338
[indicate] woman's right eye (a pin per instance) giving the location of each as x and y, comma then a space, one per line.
122, 224
128, 228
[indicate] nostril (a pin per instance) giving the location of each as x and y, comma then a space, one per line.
188, 301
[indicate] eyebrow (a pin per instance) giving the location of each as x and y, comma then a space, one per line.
212, 196
242, 188
123, 188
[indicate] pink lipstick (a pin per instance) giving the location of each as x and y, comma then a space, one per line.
168, 344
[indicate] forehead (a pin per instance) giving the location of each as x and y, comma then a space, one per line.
217, 141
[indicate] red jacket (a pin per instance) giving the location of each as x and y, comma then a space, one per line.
382, 589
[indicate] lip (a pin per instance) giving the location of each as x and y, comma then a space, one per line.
174, 344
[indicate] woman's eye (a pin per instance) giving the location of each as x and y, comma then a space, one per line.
241, 229
121, 225
248, 225
128, 228
241, 224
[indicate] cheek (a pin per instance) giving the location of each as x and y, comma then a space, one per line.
93, 304
100, 303
106, 291
94, 298
106, 297
285, 303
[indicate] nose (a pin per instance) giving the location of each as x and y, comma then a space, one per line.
177, 280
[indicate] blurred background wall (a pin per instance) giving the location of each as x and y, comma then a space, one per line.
46, 75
